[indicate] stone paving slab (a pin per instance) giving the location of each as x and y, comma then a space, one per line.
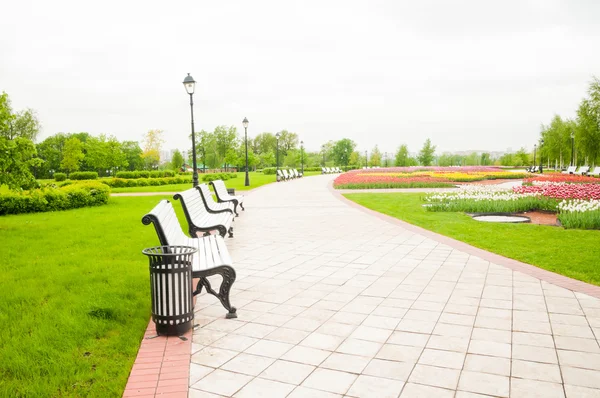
334, 302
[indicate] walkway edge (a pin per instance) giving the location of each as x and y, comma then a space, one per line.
531, 270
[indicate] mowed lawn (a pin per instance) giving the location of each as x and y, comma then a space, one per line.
74, 299
256, 180
573, 253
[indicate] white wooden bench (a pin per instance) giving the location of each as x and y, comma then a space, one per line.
583, 170
570, 170
212, 257
209, 202
199, 218
224, 197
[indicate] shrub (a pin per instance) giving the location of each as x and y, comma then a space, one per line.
269, 170
144, 182
142, 174
84, 175
218, 176
157, 174
60, 176
169, 173
126, 174
70, 196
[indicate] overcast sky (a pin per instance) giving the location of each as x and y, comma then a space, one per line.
469, 74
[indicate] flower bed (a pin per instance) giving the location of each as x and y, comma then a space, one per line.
561, 190
557, 177
419, 177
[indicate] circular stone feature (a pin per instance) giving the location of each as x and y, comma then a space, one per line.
501, 218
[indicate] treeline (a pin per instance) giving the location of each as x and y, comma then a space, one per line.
583, 133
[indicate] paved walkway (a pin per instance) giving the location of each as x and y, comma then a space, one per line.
333, 302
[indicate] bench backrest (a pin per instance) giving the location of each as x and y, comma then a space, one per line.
220, 188
584, 169
571, 169
285, 173
166, 224
207, 197
295, 172
280, 173
192, 203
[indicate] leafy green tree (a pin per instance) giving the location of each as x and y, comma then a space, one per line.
267, 159
342, 150
16, 158
153, 141
177, 160
263, 143
401, 158
485, 159
225, 139
587, 135
472, 159
446, 159
287, 141
72, 155
326, 152
133, 155
375, 157
22, 124
522, 158
427, 153
355, 159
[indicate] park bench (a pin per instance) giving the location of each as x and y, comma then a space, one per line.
337, 170
198, 217
286, 174
211, 205
212, 257
224, 197
280, 176
595, 172
570, 170
296, 173
582, 170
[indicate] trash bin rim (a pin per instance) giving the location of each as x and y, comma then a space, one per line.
158, 250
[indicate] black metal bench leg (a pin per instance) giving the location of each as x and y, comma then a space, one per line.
230, 232
242, 206
228, 275
235, 204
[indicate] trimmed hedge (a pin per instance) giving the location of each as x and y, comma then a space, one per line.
144, 182
83, 175
218, 176
60, 176
130, 175
69, 196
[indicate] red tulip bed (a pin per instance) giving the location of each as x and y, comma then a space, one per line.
419, 177
567, 178
563, 190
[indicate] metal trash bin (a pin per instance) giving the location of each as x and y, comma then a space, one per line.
231, 191
171, 288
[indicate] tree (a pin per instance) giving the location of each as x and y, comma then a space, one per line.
327, 151
177, 160
522, 157
427, 153
22, 124
401, 156
153, 141
472, 159
133, 155
225, 139
72, 155
587, 134
342, 150
287, 141
375, 157
263, 143
485, 159
355, 159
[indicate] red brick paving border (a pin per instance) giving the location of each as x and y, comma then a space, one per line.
548, 276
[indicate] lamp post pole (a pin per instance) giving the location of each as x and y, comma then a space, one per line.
572, 148
534, 153
245, 123
302, 157
277, 158
190, 84
366, 160
541, 161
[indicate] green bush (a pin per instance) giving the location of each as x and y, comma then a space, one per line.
142, 174
269, 171
83, 175
71, 196
126, 174
60, 176
157, 174
144, 182
169, 173
218, 176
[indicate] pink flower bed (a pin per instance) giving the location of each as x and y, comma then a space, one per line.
413, 169
563, 190
570, 178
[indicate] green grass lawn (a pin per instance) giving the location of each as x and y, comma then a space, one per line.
75, 299
573, 253
256, 180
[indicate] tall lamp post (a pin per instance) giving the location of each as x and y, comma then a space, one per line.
534, 153
277, 158
541, 164
190, 84
245, 123
302, 157
572, 147
366, 160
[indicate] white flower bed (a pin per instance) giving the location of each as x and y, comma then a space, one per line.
579, 205
479, 193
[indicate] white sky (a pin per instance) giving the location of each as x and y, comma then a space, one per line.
469, 74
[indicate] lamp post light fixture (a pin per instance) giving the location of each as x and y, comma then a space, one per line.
245, 123
302, 157
277, 158
190, 85
572, 147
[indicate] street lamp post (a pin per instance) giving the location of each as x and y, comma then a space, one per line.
245, 123
302, 157
541, 162
190, 84
366, 160
572, 147
534, 153
385, 157
277, 158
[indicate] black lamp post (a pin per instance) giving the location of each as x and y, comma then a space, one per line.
245, 123
366, 160
302, 157
190, 84
385, 157
534, 153
572, 148
541, 162
277, 157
